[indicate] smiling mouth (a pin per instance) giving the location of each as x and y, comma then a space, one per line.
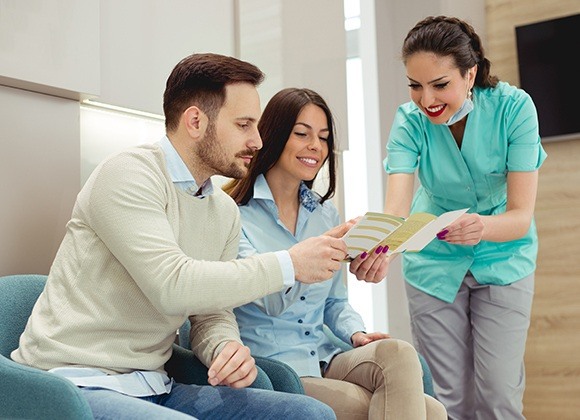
435, 111
309, 161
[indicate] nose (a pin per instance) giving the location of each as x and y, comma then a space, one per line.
427, 97
315, 143
255, 141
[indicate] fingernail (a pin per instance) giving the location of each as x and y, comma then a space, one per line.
441, 235
379, 249
363, 255
385, 249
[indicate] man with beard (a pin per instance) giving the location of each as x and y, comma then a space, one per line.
150, 243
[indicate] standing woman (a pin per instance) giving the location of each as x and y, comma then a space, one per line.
474, 142
380, 378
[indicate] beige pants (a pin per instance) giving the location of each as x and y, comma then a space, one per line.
381, 380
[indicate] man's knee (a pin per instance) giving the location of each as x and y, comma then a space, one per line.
310, 408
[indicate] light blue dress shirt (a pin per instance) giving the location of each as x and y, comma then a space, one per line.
501, 135
288, 326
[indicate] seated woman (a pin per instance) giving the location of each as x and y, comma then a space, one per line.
380, 377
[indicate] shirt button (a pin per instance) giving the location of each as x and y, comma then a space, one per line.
302, 298
312, 353
300, 321
307, 333
468, 188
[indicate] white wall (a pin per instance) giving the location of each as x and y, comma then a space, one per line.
50, 46
142, 40
39, 173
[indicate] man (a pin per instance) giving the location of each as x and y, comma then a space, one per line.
151, 242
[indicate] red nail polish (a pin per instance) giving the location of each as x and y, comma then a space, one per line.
379, 249
385, 249
363, 255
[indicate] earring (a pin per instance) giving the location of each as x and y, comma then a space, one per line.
469, 94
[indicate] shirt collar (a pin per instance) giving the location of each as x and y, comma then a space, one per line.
308, 199
179, 173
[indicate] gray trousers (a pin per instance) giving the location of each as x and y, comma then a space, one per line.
475, 346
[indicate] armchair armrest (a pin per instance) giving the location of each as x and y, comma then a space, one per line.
282, 376
272, 374
186, 368
26, 392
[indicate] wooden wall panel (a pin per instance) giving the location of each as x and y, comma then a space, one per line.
552, 364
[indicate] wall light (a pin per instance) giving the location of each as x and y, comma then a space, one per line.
96, 104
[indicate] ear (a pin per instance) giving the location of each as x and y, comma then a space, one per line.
471, 73
195, 121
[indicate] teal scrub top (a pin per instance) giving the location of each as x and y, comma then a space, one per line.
501, 135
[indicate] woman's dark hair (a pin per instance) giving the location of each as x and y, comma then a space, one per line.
275, 127
449, 36
200, 79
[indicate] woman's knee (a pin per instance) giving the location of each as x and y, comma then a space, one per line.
435, 410
397, 352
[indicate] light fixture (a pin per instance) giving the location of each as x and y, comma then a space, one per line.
96, 104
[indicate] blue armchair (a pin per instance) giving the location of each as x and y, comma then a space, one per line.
27, 392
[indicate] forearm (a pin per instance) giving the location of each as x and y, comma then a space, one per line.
399, 194
508, 226
516, 221
209, 334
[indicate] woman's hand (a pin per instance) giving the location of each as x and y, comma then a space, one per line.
371, 267
467, 230
361, 338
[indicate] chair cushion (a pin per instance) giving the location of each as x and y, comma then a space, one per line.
18, 294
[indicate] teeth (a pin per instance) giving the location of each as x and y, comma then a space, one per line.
309, 161
436, 108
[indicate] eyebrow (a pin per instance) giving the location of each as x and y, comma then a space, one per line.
308, 126
252, 119
430, 82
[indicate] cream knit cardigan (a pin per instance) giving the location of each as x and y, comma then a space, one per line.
139, 256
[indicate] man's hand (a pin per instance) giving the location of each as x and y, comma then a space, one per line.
341, 230
372, 267
361, 338
316, 259
234, 367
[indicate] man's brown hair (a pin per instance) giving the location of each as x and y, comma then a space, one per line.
200, 80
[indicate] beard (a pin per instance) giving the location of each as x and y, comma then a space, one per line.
212, 153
